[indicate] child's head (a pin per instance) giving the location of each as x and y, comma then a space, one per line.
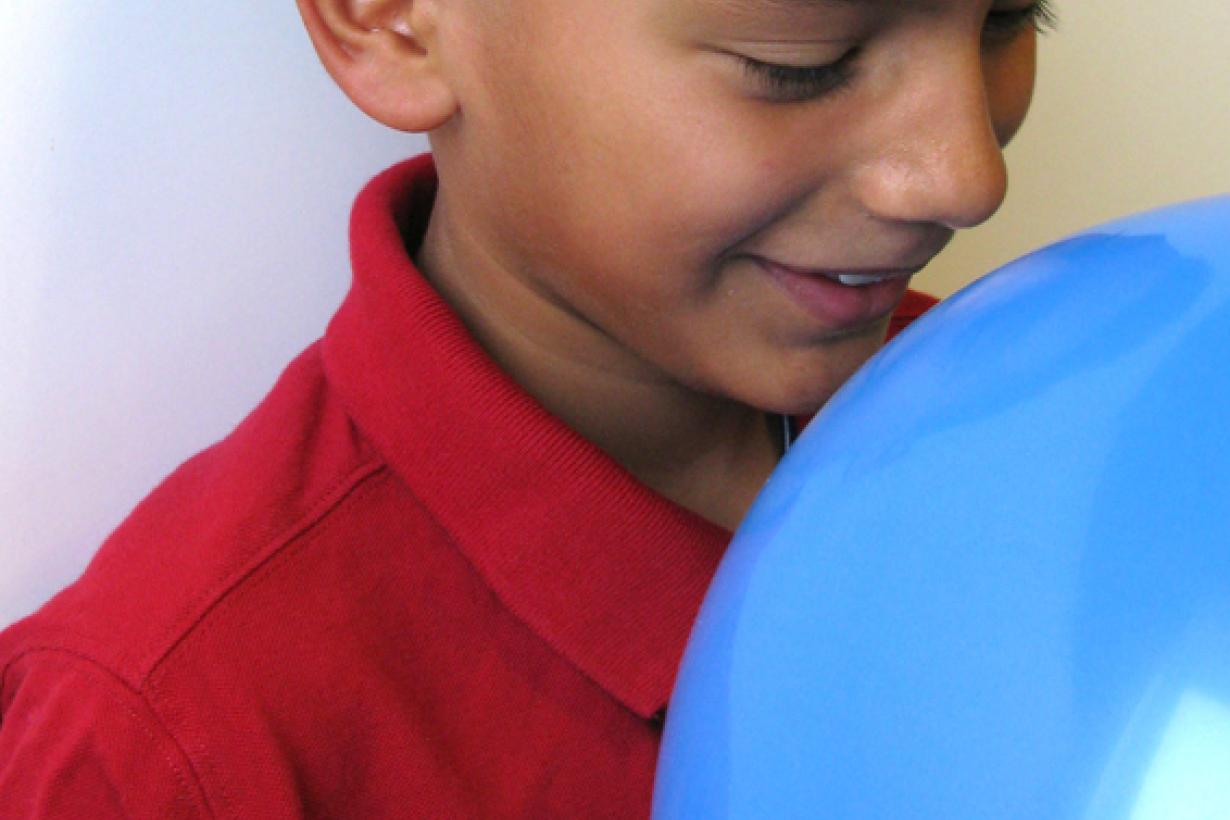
636, 165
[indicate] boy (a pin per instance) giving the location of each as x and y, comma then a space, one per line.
448, 567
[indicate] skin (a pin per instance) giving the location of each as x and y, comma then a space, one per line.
610, 173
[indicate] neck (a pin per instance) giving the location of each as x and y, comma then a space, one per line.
704, 452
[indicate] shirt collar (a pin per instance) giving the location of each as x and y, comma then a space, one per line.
606, 571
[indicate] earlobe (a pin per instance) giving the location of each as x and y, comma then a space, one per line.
384, 54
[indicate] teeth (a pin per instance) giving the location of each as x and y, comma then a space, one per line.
858, 279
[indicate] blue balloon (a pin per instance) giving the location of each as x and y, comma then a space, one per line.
992, 579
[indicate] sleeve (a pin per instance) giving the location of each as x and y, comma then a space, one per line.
76, 742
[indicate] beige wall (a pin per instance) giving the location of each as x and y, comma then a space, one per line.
1132, 111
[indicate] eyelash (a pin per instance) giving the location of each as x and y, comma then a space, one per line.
796, 83
787, 83
1040, 16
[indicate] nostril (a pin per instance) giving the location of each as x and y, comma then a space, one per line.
976, 184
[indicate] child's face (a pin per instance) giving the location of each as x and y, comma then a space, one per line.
622, 159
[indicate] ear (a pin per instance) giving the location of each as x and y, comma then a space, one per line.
385, 56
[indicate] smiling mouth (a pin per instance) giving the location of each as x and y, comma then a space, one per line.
856, 278
841, 298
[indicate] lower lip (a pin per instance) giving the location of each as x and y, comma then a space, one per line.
838, 306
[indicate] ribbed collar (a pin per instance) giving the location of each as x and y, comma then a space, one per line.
606, 571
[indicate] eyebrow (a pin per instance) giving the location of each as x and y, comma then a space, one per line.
806, 3
812, 4
756, 9
794, 5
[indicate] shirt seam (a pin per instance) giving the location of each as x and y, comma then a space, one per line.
302, 537
203, 604
185, 777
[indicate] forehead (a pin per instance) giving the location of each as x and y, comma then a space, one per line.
797, 5
811, 7
830, 6
815, 16
604, 15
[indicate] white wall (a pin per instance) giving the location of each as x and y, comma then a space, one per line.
175, 180
1132, 111
174, 185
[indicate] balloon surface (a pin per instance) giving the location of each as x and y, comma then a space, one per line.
992, 579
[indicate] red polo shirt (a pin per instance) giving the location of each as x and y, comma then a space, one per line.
399, 589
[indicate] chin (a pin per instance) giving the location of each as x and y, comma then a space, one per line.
803, 389
804, 398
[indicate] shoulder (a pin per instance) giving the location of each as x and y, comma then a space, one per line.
238, 588
207, 528
241, 604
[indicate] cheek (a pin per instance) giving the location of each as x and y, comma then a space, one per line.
707, 176
670, 186
647, 176
1010, 87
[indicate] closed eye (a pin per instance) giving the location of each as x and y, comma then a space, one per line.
786, 83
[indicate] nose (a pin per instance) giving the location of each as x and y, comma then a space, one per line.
940, 160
